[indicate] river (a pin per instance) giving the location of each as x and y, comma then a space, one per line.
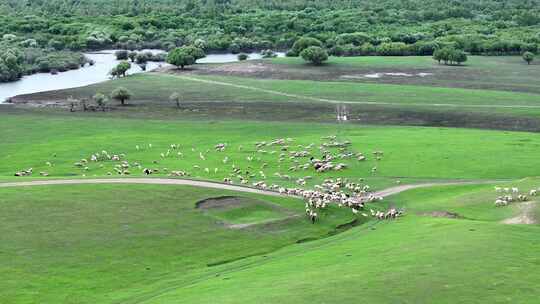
104, 62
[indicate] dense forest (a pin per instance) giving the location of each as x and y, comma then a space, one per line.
34, 30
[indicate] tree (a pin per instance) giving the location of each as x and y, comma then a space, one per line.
458, 57
196, 52
528, 57
180, 57
439, 55
175, 97
121, 94
242, 56
302, 44
450, 56
121, 69
142, 58
101, 100
268, 54
314, 54
121, 55
132, 56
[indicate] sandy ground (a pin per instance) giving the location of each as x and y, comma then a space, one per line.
525, 215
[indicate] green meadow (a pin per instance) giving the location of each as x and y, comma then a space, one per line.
120, 243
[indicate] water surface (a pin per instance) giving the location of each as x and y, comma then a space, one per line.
99, 72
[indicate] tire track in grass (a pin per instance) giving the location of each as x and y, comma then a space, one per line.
334, 101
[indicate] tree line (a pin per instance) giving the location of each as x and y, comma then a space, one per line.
49, 35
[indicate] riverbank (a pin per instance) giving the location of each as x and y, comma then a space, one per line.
103, 62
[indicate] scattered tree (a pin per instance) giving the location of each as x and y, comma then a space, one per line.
242, 56
142, 58
100, 100
197, 53
180, 57
175, 97
302, 44
121, 69
449, 56
528, 57
268, 54
121, 55
121, 94
314, 54
132, 56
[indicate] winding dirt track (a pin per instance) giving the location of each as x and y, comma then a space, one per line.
206, 184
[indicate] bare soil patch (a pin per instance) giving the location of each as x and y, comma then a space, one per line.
445, 214
525, 216
224, 202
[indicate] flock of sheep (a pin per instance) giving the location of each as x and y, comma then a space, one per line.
330, 155
508, 195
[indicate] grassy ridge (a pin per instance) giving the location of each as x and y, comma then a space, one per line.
148, 244
101, 243
417, 259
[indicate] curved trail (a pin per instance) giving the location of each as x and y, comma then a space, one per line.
209, 184
146, 181
334, 101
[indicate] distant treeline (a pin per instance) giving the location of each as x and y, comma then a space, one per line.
345, 27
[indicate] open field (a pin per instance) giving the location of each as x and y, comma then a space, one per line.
158, 87
108, 242
173, 237
151, 244
410, 152
227, 97
508, 73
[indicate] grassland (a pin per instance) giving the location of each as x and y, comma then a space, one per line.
157, 244
410, 153
149, 244
489, 92
101, 243
157, 88
509, 73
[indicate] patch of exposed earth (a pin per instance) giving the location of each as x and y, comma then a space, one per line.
525, 216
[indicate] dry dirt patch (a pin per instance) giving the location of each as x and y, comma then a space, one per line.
445, 214
525, 216
223, 202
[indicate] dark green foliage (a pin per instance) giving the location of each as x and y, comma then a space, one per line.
184, 56
132, 56
194, 51
180, 57
314, 54
121, 55
450, 56
268, 54
242, 56
121, 69
100, 100
121, 94
528, 57
343, 27
302, 44
10, 65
